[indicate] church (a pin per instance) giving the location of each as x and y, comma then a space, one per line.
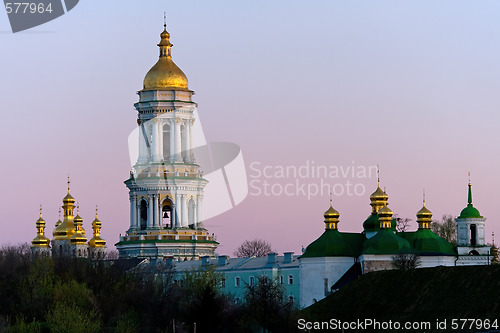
69, 238
166, 191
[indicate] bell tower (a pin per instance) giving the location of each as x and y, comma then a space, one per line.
166, 185
470, 230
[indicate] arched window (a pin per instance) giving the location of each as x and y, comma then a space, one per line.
191, 213
473, 235
166, 214
166, 142
143, 214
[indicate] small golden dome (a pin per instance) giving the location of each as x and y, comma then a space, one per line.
165, 73
379, 195
385, 212
424, 213
68, 198
331, 213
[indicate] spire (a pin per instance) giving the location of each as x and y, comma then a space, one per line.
470, 192
40, 210
378, 176
165, 45
96, 209
68, 183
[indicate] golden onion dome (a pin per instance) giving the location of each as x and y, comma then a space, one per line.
385, 212
424, 213
165, 74
379, 195
331, 213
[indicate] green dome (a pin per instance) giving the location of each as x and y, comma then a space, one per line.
427, 242
372, 223
386, 242
333, 243
470, 212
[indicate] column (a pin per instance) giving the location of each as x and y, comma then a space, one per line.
173, 219
143, 149
171, 158
178, 206
199, 203
138, 221
189, 141
133, 211
154, 141
184, 211
178, 141
160, 139
150, 212
156, 219
195, 215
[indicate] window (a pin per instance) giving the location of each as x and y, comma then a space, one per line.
290, 299
223, 283
281, 279
237, 281
290, 279
251, 281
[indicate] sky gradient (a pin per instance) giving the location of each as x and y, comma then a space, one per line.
409, 86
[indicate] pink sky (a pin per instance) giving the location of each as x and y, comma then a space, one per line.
412, 87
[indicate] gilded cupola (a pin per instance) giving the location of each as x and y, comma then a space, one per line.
331, 217
165, 74
40, 240
424, 217
96, 240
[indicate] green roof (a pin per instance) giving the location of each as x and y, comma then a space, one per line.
333, 243
427, 243
372, 223
470, 212
386, 242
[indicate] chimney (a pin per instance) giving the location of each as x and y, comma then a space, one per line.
223, 260
288, 257
205, 261
271, 258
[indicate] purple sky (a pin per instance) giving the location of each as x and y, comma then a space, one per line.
410, 86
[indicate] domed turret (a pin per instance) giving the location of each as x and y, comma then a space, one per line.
97, 241
470, 211
424, 217
79, 234
40, 240
165, 74
66, 228
331, 217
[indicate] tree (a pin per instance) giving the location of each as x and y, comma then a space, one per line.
256, 247
405, 261
446, 228
265, 306
402, 224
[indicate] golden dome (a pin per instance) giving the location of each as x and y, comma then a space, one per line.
424, 213
331, 213
165, 73
385, 217
379, 195
331, 217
